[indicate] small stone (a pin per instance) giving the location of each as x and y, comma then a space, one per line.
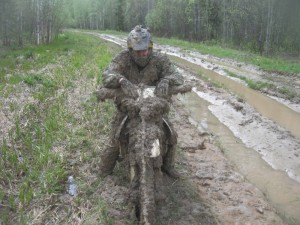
260, 210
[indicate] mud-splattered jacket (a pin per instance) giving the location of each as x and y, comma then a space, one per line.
158, 67
123, 65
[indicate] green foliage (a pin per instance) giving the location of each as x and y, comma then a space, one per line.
34, 162
15, 79
264, 27
35, 79
274, 64
252, 84
25, 21
104, 213
265, 63
260, 26
210, 47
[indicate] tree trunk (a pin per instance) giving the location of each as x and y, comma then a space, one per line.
4, 25
38, 22
20, 21
269, 27
197, 21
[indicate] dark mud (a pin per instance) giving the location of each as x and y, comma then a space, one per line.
232, 199
177, 200
210, 191
208, 178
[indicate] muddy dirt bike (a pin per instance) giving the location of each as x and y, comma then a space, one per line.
147, 143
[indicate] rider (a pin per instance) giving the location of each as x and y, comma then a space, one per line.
139, 64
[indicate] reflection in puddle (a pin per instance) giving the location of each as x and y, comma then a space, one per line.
282, 191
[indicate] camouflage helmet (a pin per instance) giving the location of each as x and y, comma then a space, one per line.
139, 39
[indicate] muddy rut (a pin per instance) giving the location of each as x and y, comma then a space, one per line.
211, 190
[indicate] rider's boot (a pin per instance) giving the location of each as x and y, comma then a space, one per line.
169, 163
110, 155
108, 160
171, 172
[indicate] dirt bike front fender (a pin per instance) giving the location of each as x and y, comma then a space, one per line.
165, 122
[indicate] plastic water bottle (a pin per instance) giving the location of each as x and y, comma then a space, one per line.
72, 187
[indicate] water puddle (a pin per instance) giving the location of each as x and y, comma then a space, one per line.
281, 190
274, 168
268, 107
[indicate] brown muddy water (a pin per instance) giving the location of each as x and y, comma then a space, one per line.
282, 191
270, 108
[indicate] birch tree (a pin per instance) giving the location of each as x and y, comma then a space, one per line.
8, 21
265, 26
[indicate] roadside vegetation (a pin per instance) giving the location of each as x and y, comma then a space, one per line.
260, 86
52, 128
276, 64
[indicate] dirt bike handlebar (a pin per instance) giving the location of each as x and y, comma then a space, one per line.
107, 93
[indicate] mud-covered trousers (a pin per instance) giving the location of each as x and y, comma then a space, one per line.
111, 153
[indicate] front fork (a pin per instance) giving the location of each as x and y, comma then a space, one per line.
145, 174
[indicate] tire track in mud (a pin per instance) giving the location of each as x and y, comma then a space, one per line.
231, 199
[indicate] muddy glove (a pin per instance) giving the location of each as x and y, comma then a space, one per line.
130, 106
128, 88
162, 88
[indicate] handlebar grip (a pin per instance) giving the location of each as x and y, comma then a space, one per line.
107, 93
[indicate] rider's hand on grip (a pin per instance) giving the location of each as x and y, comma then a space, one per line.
162, 88
128, 88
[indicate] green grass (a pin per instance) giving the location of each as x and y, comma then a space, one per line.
252, 84
46, 133
273, 64
266, 63
51, 138
258, 85
278, 64
200, 47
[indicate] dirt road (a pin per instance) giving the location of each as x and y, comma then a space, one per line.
223, 194
218, 183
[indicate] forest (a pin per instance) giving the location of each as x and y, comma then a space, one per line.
267, 27
52, 128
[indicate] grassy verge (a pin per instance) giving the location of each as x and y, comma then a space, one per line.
252, 84
265, 63
55, 129
259, 85
276, 64
52, 128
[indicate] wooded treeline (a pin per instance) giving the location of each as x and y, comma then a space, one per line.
35, 21
264, 26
